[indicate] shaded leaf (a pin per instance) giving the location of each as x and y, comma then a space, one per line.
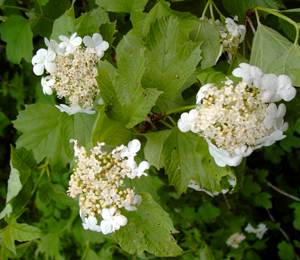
171, 58
121, 6
273, 53
16, 32
47, 131
149, 229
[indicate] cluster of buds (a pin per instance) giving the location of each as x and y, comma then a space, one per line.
98, 182
71, 70
231, 35
236, 119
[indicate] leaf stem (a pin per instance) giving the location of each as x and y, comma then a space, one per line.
179, 109
211, 10
257, 17
218, 10
283, 192
172, 120
205, 8
281, 16
166, 124
15, 7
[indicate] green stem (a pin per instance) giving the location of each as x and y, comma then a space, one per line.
211, 11
218, 10
281, 16
283, 192
15, 7
180, 109
172, 120
166, 124
257, 17
205, 8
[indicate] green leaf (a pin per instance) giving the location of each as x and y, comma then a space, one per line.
4, 122
154, 147
89, 254
240, 8
16, 32
64, 25
187, 158
273, 53
110, 131
171, 58
121, 89
122, 6
208, 212
207, 33
149, 229
18, 232
151, 184
90, 22
296, 222
210, 75
47, 132
263, 200
285, 251
42, 2
49, 246
22, 167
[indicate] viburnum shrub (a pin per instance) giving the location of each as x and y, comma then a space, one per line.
142, 129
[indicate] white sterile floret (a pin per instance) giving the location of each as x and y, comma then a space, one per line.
235, 240
90, 223
43, 60
250, 74
72, 69
47, 84
69, 45
236, 119
98, 181
96, 44
186, 120
259, 231
111, 221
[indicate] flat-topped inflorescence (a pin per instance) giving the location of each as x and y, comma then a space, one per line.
71, 69
98, 182
236, 119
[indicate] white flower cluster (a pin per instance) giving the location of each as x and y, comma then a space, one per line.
71, 70
259, 231
98, 182
231, 34
236, 239
238, 118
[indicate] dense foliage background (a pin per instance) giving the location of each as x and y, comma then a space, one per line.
40, 221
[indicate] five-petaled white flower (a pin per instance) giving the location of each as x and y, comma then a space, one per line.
47, 83
43, 59
96, 44
90, 223
69, 45
111, 221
